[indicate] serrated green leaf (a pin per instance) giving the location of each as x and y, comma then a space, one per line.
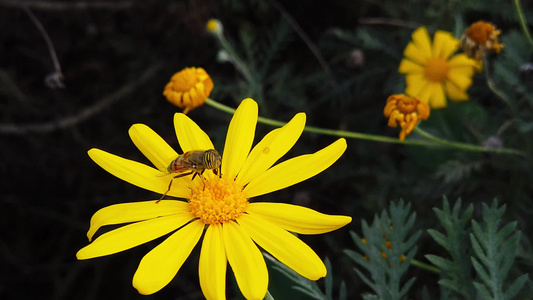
439, 238
342, 291
388, 249
481, 272
441, 263
452, 285
516, 286
483, 292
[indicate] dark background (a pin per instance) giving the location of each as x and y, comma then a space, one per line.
116, 57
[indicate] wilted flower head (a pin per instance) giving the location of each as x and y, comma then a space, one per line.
405, 111
189, 88
479, 38
432, 73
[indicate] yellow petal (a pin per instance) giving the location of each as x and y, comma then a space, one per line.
213, 263
134, 212
132, 235
239, 138
415, 84
295, 170
159, 266
296, 218
454, 92
152, 146
190, 135
422, 43
459, 78
246, 261
425, 92
141, 175
437, 98
408, 66
461, 60
271, 148
412, 53
284, 246
444, 44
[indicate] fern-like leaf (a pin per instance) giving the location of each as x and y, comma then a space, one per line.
387, 250
457, 269
495, 251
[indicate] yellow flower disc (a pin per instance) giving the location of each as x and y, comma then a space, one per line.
479, 38
436, 70
189, 88
217, 201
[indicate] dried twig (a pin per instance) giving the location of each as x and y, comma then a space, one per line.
85, 114
55, 79
63, 5
392, 22
304, 37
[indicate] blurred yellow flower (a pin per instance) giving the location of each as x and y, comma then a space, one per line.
432, 75
479, 38
406, 112
217, 207
189, 88
214, 26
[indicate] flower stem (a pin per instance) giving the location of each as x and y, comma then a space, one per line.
425, 266
465, 146
494, 89
522, 20
268, 296
339, 133
431, 140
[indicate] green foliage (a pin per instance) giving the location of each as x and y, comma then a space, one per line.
308, 287
487, 247
457, 269
388, 250
495, 250
507, 68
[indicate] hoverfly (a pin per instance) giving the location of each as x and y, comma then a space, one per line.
195, 161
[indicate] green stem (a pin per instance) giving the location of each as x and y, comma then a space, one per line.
339, 133
431, 139
493, 88
523, 22
425, 266
268, 296
465, 146
239, 64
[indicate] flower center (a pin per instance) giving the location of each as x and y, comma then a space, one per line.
407, 105
217, 200
184, 80
436, 70
480, 32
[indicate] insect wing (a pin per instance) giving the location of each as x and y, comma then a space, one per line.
180, 165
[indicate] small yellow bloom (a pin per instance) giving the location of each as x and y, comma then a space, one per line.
432, 73
219, 208
214, 26
189, 88
479, 38
405, 111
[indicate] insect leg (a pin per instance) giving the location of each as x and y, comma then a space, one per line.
170, 184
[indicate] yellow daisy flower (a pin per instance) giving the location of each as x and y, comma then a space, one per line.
406, 112
189, 88
432, 74
217, 207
